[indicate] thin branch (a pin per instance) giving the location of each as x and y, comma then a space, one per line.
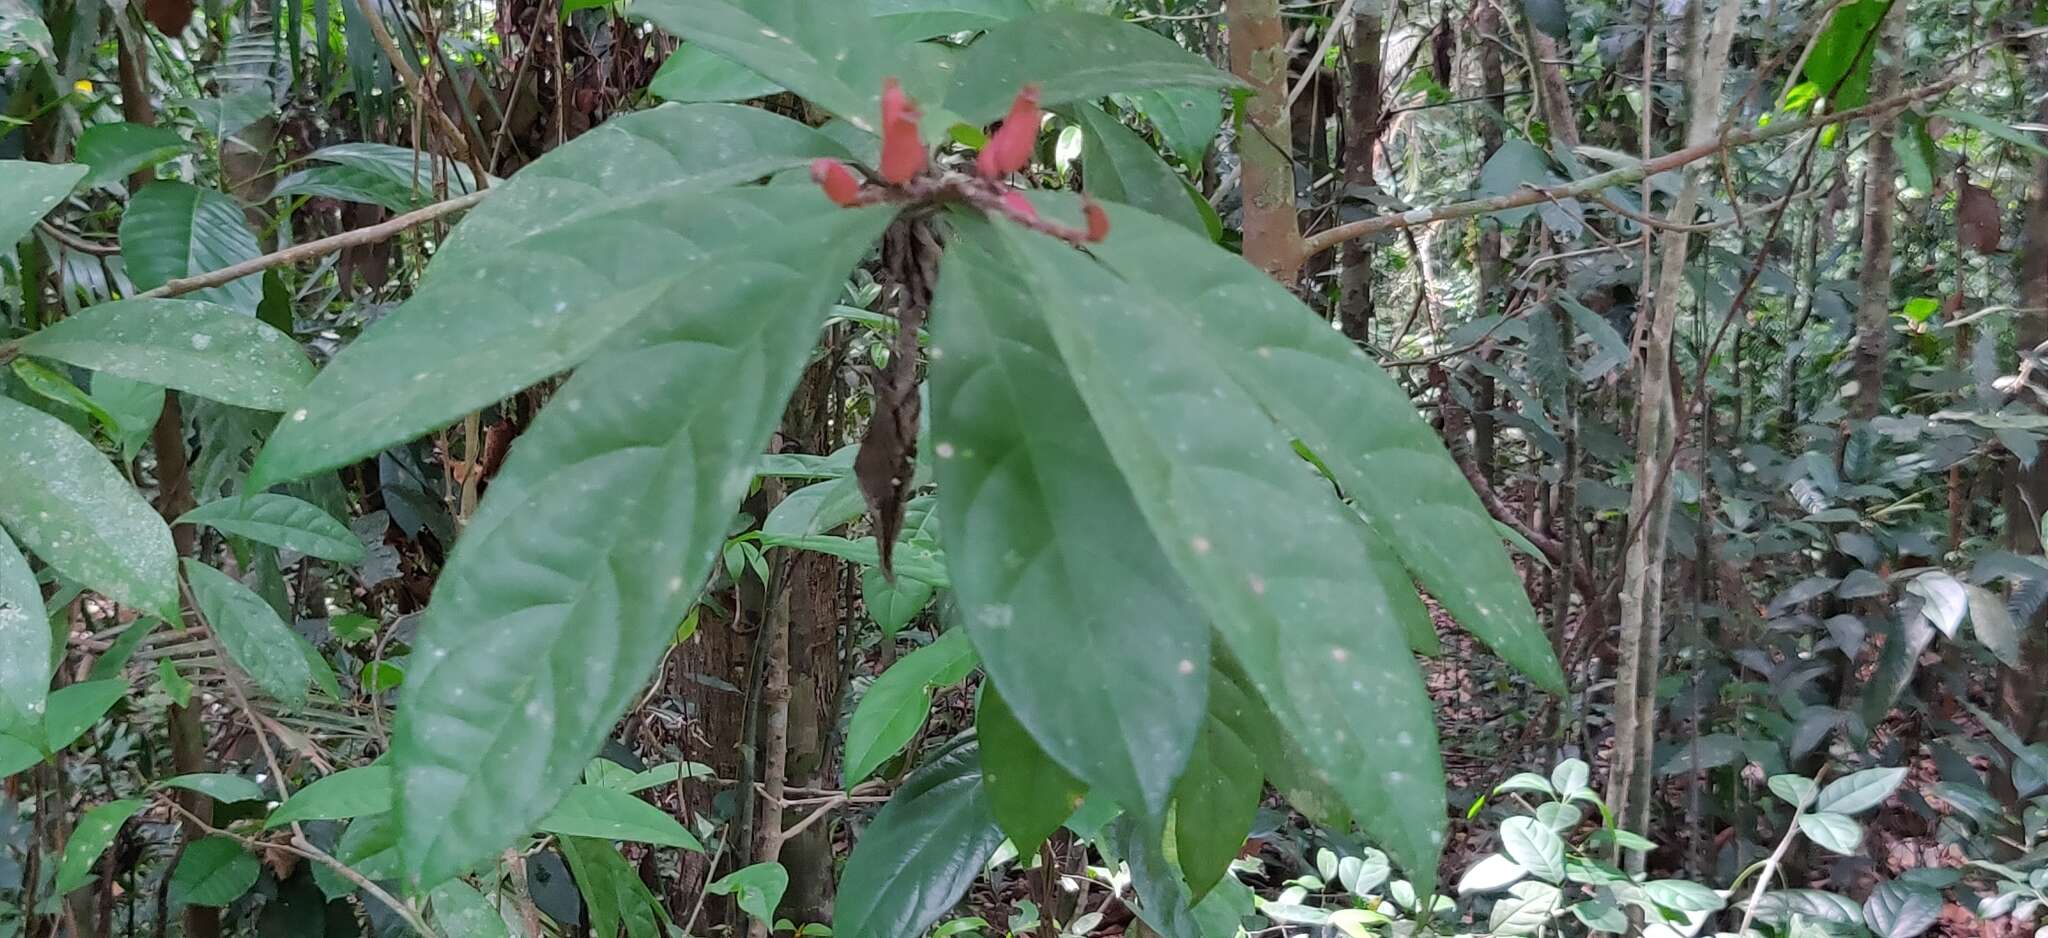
1328, 238
76, 241
367, 235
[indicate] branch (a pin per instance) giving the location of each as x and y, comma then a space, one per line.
312, 249
1331, 237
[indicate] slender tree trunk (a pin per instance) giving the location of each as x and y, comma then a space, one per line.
1874, 280
1491, 272
1362, 125
1258, 56
2023, 691
1656, 435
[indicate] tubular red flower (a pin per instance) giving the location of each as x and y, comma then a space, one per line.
1098, 220
1009, 148
1018, 206
837, 181
903, 153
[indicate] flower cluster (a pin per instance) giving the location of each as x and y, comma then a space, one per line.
905, 173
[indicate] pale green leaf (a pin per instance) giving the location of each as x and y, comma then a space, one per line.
1119, 166
24, 639
358, 792
226, 789
1072, 57
461, 911
1534, 847
28, 191
208, 350
1837, 832
120, 148
1853, 794
281, 521
894, 706
251, 633
95, 832
695, 75
75, 708
756, 889
611, 814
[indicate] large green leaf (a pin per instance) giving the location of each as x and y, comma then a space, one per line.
532, 282
1844, 51
833, 54
28, 191
94, 833
1353, 416
208, 350
75, 708
66, 503
281, 521
213, 871
612, 891
695, 75
1272, 555
895, 704
117, 149
1072, 57
915, 20
24, 639
553, 610
921, 852
1120, 166
1028, 793
1187, 120
221, 787
1163, 898
363, 791
462, 912
174, 230
611, 814
1215, 802
1079, 619
251, 633
398, 178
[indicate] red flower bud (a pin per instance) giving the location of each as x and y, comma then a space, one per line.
837, 181
903, 154
1009, 148
1098, 220
1018, 206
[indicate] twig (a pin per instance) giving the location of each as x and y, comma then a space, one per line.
77, 242
710, 875
366, 235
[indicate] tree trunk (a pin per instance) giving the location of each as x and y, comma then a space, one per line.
1874, 280
2021, 691
1490, 268
1258, 56
1362, 125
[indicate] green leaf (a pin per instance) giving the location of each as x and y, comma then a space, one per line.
915, 20
550, 615
227, 115
1028, 793
398, 178
75, 708
1119, 166
816, 508
1918, 156
759, 889
1281, 569
24, 638
175, 684
281, 521
1680, 895
1570, 776
1837, 832
611, 814
174, 230
370, 847
695, 75
1079, 619
1164, 902
893, 605
1516, 164
1779, 905
1853, 794
251, 633
28, 191
221, 787
1550, 16
22, 28
832, 54
1993, 625
921, 852
915, 561
612, 890
1901, 909
1316, 383
1842, 55
66, 503
133, 407
208, 350
894, 706
1187, 121
1795, 790
95, 832
1534, 846
463, 912
1992, 126
1526, 910
1495, 872
525, 289
213, 871
359, 792
118, 149
1072, 57
1217, 798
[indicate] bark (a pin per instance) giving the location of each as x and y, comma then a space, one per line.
1552, 94
1874, 280
1258, 57
1656, 435
1488, 261
2021, 691
1363, 122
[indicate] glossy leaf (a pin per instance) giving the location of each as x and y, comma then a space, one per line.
1028, 793
756, 889
549, 616
610, 814
24, 639
226, 789
1495, 872
226, 115
95, 832
75, 708
1080, 621
695, 75
1316, 384
213, 871
1852, 794
251, 633
66, 503
525, 289
1836, 832
894, 706
1842, 53
831, 54
399, 178
173, 229
1072, 56
1217, 798
117, 149
1901, 909
1187, 120
921, 852
914, 20
208, 350
1795, 790
359, 792
1993, 625
1682, 896
1334, 665
461, 911
281, 521
1534, 846
1779, 905
1119, 166
612, 891
28, 191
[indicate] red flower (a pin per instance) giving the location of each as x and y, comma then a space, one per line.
837, 181
903, 154
1009, 148
1019, 206
1098, 220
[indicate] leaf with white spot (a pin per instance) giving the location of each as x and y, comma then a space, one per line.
24, 639
251, 633
281, 521
208, 350
28, 191
94, 833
